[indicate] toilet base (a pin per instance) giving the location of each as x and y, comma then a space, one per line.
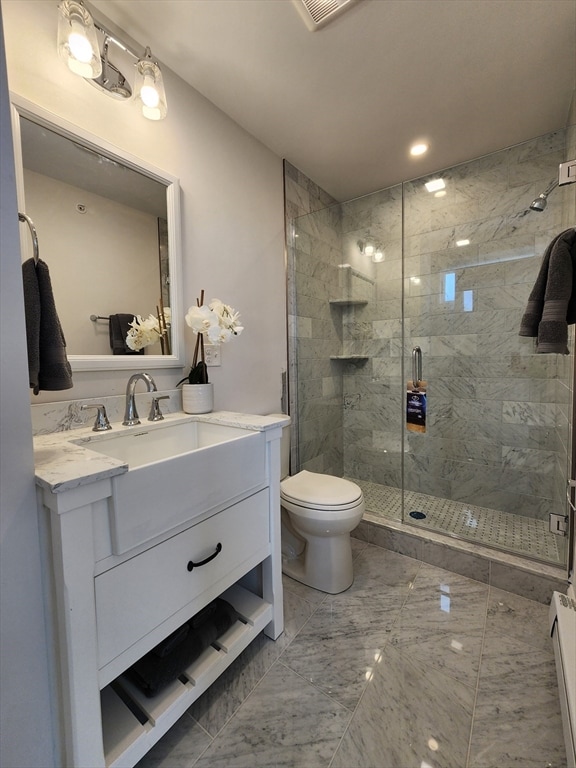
325, 564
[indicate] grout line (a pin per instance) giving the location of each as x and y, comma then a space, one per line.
477, 687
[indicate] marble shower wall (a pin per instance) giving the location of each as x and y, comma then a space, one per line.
315, 395
497, 433
565, 380
492, 400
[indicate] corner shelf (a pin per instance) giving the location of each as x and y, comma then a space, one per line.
348, 302
350, 358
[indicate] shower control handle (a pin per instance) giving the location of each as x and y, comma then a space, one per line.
416, 367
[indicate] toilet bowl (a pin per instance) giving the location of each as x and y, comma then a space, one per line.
318, 514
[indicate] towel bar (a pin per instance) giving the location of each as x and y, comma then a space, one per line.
33, 233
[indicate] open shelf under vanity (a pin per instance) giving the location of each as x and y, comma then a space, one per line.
133, 722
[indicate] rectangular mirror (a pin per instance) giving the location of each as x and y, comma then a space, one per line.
108, 227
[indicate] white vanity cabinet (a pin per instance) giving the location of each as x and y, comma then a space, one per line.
109, 609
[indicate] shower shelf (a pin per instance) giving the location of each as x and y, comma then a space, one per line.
350, 358
348, 302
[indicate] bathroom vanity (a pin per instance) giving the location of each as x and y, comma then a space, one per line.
143, 527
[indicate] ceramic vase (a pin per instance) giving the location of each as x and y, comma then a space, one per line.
197, 398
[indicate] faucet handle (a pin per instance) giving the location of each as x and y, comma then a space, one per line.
155, 412
101, 423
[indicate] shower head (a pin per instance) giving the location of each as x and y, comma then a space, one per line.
542, 200
540, 203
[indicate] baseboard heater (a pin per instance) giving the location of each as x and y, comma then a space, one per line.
563, 633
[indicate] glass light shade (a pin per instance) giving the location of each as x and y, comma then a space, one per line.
77, 40
149, 87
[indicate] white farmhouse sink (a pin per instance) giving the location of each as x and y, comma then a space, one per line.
141, 445
176, 473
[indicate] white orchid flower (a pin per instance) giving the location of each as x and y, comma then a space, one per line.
200, 319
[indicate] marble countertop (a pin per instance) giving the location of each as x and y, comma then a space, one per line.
63, 462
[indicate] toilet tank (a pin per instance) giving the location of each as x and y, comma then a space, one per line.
284, 448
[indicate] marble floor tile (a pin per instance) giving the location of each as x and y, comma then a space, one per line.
302, 590
521, 619
410, 716
336, 649
517, 716
285, 722
225, 695
442, 623
414, 666
357, 546
377, 570
179, 748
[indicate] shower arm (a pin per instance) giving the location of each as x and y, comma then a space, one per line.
551, 186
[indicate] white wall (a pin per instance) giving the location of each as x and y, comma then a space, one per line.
25, 706
232, 211
232, 206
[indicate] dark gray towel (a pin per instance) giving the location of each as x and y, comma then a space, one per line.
48, 366
119, 325
551, 305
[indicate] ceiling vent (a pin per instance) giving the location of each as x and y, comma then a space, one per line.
317, 13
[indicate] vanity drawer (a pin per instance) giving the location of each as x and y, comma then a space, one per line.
135, 597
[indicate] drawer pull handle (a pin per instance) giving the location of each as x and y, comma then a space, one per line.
203, 562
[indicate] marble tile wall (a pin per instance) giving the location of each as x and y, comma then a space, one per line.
498, 413
492, 401
565, 380
48, 418
315, 387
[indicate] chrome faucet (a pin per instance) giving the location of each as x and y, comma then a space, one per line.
131, 414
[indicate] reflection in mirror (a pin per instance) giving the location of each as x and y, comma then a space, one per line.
108, 229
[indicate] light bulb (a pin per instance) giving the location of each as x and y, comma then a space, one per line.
150, 88
369, 249
418, 149
149, 94
80, 46
77, 40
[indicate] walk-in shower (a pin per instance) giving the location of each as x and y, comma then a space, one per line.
490, 461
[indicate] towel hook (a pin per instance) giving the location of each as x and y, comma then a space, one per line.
33, 233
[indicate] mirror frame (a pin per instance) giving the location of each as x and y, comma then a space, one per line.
23, 108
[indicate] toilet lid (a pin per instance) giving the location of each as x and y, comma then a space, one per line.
313, 489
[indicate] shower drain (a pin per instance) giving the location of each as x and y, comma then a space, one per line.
417, 515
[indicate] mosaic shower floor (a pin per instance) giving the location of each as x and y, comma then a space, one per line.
488, 527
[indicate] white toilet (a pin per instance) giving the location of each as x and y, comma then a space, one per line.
318, 514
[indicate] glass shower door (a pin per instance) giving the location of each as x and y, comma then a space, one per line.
489, 464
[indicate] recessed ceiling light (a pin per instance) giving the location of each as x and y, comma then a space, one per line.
460, 243
418, 149
434, 185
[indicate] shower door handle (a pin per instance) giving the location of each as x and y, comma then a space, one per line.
416, 367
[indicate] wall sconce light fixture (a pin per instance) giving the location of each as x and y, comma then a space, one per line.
369, 247
79, 46
149, 86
